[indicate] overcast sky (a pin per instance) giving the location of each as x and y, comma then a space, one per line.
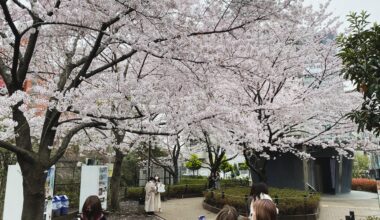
342, 7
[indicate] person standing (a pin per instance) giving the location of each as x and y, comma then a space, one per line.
258, 191
217, 180
150, 192
157, 198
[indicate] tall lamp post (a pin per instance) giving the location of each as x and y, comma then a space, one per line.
149, 152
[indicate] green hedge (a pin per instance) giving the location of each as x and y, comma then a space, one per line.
173, 191
223, 182
290, 202
193, 180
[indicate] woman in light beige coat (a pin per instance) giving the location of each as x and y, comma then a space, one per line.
150, 192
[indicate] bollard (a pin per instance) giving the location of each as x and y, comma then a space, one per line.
276, 199
125, 193
246, 204
304, 202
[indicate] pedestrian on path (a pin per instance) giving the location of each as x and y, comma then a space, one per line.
227, 213
160, 189
258, 191
150, 192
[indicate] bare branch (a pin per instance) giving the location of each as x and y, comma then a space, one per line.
28, 155
66, 140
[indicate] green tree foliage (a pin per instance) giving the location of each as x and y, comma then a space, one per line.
360, 53
361, 165
193, 163
130, 169
225, 166
243, 166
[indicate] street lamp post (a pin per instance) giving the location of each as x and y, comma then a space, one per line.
149, 152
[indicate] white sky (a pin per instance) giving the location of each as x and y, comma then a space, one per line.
342, 8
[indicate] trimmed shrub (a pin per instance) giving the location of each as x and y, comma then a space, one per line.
364, 184
290, 202
225, 183
193, 180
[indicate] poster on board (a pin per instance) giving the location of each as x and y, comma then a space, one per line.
14, 197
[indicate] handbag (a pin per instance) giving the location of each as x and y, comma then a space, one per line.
161, 188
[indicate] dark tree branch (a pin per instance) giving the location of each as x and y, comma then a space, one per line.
28, 155
109, 117
66, 140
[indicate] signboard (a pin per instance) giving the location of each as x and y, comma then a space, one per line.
49, 192
94, 181
14, 197
110, 169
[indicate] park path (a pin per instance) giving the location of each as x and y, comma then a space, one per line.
333, 207
184, 209
336, 207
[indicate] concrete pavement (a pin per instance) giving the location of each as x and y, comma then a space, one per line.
332, 207
336, 207
184, 209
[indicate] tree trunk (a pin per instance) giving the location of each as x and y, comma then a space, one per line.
257, 168
34, 178
115, 180
176, 174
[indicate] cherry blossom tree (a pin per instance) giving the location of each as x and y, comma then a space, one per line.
63, 45
132, 69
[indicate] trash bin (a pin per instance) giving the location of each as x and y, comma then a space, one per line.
56, 206
64, 204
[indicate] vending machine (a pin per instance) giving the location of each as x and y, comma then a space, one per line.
14, 197
94, 181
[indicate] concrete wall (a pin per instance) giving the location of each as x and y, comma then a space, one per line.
286, 171
325, 174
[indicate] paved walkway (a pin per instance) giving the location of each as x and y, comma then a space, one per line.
184, 209
333, 207
338, 206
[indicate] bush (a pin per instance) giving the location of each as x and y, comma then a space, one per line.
363, 184
290, 202
361, 166
194, 180
172, 191
225, 183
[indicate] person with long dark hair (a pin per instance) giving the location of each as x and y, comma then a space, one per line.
258, 191
92, 209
